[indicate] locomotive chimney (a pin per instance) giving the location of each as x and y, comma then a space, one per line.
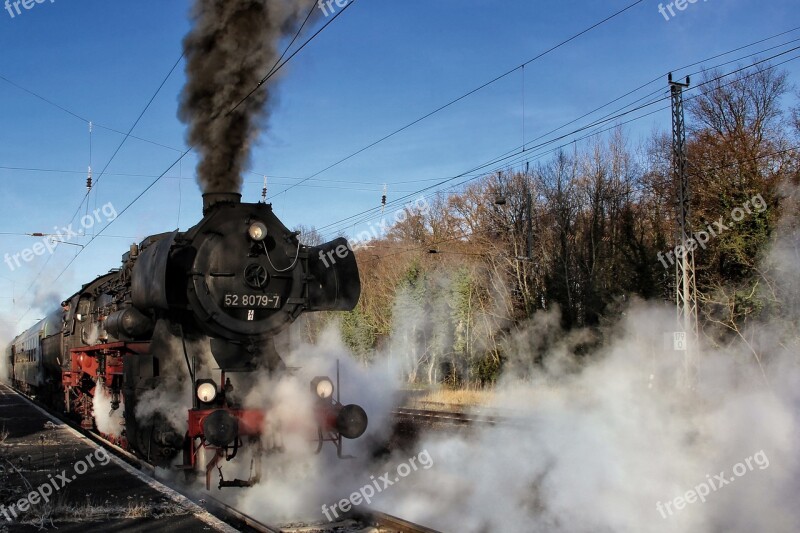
212, 199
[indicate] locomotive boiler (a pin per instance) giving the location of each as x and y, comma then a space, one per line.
230, 283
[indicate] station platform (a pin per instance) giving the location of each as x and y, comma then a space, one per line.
54, 478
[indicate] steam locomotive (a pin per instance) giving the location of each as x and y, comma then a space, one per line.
230, 283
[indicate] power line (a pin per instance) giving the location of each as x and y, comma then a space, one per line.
272, 176
478, 232
78, 116
520, 152
304, 179
125, 138
326, 184
136, 122
42, 98
38, 276
553, 150
260, 174
20, 234
276, 68
468, 94
658, 78
742, 69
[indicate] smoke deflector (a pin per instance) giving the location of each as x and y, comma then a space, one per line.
336, 285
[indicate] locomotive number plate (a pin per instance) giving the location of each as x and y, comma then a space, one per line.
252, 301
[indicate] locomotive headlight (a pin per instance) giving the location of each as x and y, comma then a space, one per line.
323, 387
257, 231
206, 391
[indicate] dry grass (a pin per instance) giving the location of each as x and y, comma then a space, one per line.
444, 398
92, 512
48, 515
138, 510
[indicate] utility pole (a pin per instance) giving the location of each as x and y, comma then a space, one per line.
528, 209
529, 238
685, 284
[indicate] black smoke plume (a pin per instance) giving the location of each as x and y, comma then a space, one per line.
231, 47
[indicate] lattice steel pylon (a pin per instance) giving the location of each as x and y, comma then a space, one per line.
685, 283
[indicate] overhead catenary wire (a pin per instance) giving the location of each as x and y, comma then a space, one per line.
455, 186
373, 183
520, 152
275, 69
91, 186
324, 184
272, 72
86, 196
527, 157
260, 174
30, 234
629, 93
127, 135
295, 184
607, 118
693, 97
471, 92
475, 233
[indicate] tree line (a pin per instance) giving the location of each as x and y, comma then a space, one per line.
446, 290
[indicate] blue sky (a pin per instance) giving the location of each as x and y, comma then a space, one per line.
377, 67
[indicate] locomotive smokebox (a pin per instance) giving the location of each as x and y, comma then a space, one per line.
214, 199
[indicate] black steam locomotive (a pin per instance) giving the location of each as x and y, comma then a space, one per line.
229, 284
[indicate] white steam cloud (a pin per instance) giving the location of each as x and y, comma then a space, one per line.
6, 336
599, 449
612, 443
297, 482
609, 442
109, 421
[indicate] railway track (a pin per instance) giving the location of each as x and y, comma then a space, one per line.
393, 523
386, 522
244, 522
243, 519
450, 418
